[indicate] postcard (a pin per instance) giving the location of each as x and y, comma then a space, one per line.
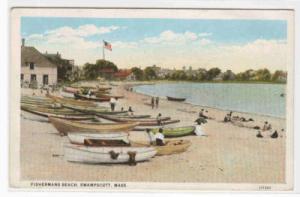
151, 99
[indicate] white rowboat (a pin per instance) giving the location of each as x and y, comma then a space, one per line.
78, 138
99, 155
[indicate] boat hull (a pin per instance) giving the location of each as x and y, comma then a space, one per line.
79, 138
65, 126
101, 155
175, 99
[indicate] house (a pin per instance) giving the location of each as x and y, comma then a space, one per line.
124, 75
36, 68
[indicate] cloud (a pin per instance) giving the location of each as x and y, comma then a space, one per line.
120, 44
81, 31
168, 37
204, 34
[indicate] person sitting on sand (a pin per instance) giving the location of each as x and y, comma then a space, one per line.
227, 118
201, 114
198, 129
259, 135
267, 126
159, 119
159, 138
130, 110
274, 135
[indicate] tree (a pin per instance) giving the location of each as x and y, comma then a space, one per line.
104, 64
212, 73
228, 75
263, 75
90, 71
246, 76
149, 73
138, 73
277, 74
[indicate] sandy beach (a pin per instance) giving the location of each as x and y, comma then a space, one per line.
230, 153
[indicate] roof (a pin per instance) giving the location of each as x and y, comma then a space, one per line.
107, 70
31, 54
123, 73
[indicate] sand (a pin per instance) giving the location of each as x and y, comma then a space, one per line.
230, 153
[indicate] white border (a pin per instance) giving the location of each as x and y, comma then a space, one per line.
173, 4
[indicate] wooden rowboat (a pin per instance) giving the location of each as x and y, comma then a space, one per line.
81, 138
170, 147
67, 117
176, 131
84, 97
127, 119
72, 101
99, 155
92, 110
58, 111
175, 99
71, 90
65, 126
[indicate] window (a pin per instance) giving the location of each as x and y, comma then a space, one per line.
22, 77
31, 65
32, 77
45, 79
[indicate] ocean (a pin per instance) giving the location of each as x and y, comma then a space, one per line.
262, 99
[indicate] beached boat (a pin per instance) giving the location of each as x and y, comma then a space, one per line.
154, 123
93, 110
71, 90
66, 94
61, 111
95, 99
100, 95
45, 116
175, 99
170, 147
72, 101
176, 131
132, 116
69, 116
127, 119
82, 138
65, 126
99, 155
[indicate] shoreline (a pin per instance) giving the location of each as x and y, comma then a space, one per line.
230, 153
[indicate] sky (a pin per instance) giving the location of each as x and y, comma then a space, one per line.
169, 43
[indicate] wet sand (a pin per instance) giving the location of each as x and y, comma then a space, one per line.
230, 153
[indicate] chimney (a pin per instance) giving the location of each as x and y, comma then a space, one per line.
23, 42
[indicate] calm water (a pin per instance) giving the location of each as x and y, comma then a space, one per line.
253, 98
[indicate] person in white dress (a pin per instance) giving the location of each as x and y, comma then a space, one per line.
112, 102
199, 130
159, 138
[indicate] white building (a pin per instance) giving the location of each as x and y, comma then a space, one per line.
36, 68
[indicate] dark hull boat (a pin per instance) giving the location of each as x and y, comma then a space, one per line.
175, 99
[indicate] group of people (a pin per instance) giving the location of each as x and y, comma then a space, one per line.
154, 102
267, 127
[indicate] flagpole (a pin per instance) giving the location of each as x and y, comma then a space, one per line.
103, 53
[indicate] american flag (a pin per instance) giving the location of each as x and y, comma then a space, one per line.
107, 45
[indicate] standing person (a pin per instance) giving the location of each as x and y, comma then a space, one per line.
159, 119
112, 102
152, 102
159, 138
130, 110
156, 102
